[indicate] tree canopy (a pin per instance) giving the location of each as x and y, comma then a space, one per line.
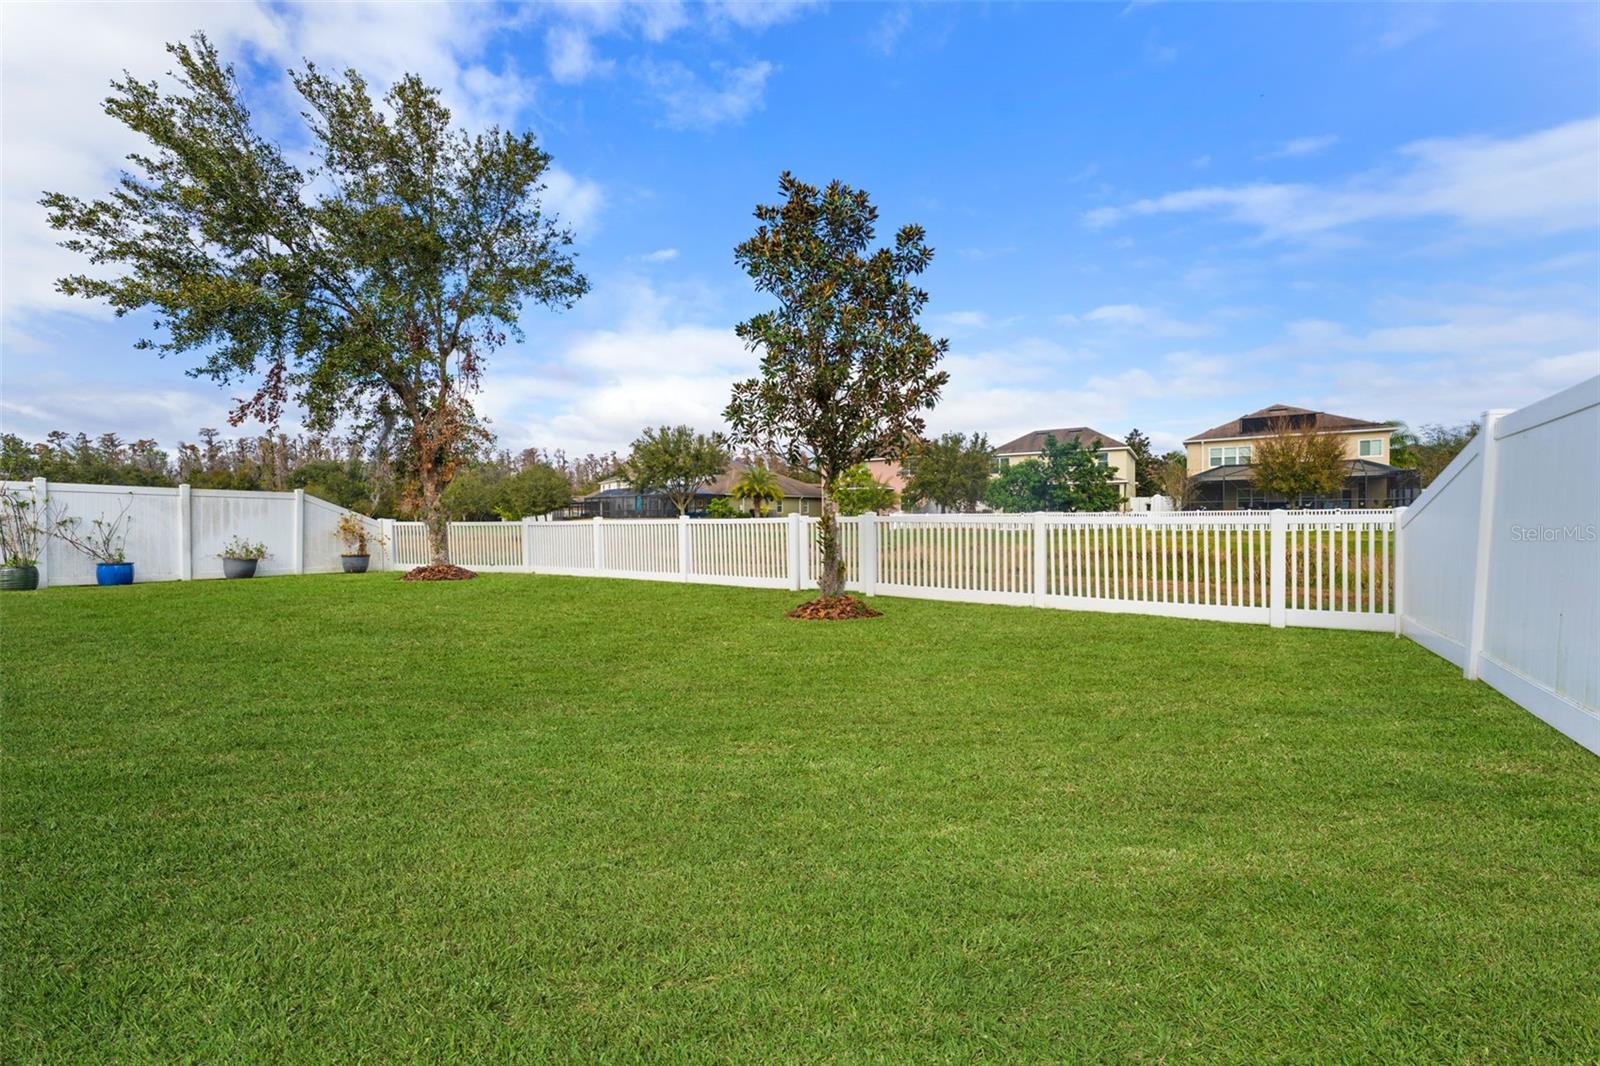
1146, 465
846, 370
952, 471
676, 461
487, 491
1066, 477
372, 284
857, 492
1298, 464
1429, 449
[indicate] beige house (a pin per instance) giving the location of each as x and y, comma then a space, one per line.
1113, 452
1220, 458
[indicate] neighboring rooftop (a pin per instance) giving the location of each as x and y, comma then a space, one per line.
1282, 416
722, 485
1030, 443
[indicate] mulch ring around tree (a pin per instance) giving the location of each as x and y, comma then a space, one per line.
834, 609
439, 572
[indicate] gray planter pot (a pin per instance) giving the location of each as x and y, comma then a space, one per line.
18, 578
355, 564
239, 567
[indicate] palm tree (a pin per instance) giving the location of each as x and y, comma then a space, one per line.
760, 486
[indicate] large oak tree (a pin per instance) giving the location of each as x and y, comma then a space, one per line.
369, 284
846, 371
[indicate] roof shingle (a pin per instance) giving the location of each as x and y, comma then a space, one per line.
1030, 443
1263, 422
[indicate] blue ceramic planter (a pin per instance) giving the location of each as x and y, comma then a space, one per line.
113, 573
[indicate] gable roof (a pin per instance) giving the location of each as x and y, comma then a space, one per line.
1034, 442
1265, 421
722, 484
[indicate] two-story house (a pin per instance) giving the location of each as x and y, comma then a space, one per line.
1113, 452
1220, 460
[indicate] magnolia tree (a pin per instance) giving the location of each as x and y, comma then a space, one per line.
369, 284
846, 371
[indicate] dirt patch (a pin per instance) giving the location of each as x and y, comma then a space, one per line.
439, 572
834, 609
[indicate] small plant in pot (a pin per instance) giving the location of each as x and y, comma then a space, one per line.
357, 543
239, 557
104, 541
23, 528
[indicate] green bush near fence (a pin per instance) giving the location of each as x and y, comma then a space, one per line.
334, 818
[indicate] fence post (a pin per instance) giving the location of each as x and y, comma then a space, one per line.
386, 531
1399, 572
867, 552
527, 543
683, 547
1278, 569
41, 500
185, 534
599, 545
796, 530
1041, 546
298, 556
1489, 464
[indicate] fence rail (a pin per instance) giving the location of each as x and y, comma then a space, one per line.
1313, 568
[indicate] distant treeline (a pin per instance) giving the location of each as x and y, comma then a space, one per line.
368, 474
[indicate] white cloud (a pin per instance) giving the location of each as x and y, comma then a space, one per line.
1036, 384
885, 36
576, 201
690, 103
57, 137
1411, 22
961, 319
1544, 182
571, 54
609, 384
165, 414
752, 15
1301, 146
1137, 318
660, 255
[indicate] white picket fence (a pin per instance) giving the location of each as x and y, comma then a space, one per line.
1327, 569
176, 534
1501, 570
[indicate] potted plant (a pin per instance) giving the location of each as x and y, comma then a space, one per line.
239, 557
103, 541
353, 534
22, 533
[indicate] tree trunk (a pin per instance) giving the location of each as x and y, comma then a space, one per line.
830, 582
434, 515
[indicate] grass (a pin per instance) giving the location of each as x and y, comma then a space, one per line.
344, 818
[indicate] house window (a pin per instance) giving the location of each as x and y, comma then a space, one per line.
1102, 458
1230, 455
1372, 447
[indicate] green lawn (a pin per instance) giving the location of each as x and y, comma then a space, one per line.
335, 818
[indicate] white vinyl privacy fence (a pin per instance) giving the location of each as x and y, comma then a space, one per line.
1502, 560
176, 534
1329, 569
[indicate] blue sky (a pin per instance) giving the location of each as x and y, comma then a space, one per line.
1153, 215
